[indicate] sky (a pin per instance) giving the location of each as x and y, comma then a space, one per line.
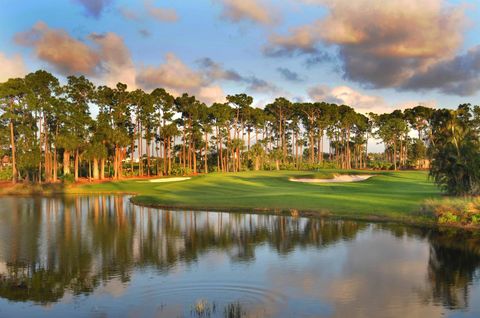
374, 55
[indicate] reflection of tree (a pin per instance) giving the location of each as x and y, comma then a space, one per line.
453, 262
74, 243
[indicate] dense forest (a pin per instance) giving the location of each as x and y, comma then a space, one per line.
48, 133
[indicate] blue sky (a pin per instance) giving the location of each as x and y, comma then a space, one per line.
372, 55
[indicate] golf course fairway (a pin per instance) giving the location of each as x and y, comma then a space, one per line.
386, 195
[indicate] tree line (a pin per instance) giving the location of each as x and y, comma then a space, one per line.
49, 133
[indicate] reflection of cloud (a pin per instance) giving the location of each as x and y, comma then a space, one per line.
376, 276
113, 287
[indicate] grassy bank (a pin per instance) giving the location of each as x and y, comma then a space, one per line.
388, 195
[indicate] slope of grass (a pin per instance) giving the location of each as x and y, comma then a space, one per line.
392, 195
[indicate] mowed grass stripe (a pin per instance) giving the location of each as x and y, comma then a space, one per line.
387, 194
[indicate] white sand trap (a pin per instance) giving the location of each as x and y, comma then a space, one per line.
161, 180
336, 179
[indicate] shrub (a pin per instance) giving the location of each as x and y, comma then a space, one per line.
68, 178
6, 174
463, 211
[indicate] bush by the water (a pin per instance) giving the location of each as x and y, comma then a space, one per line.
460, 211
6, 174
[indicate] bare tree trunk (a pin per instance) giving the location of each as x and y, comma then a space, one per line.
95, 168
148, 158
12, 143
66, 162
140, 152
206, 150
76, 164
102, 169
55, 165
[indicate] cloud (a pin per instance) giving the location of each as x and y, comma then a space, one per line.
160, 14
458, 76
215, 71
145, 33
256, 11
93, 8
177, 78
11, 67
379, 43
290, 75
128, 14
115, 60
318, 58
361, 102
107, 58
65, 54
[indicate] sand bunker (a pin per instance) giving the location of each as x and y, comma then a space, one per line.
161, 180
336, 178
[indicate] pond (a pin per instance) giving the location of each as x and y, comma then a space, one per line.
101, 256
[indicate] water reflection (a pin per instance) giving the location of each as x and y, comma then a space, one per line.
63, 250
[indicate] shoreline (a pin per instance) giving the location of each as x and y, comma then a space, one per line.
271, 193
414, 221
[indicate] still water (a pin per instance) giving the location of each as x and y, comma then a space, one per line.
101, 256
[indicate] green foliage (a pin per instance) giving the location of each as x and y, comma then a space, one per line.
6, 174
455, 151
457, 211
68, 178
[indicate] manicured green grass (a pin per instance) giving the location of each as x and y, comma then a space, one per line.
392, 195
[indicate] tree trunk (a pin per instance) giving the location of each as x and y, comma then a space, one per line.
206, 150
55, 165
66, 162
95, 168
257, 163
148, 158
76, 164
12, 143
102, 169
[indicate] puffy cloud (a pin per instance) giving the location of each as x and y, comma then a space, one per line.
94, 8
361, 102
290, 75
11, 67
115, 60
67, 55
257, 11
459, 76
380, 43
160, 14
177, 78
107, 58
211, 94
173, 74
